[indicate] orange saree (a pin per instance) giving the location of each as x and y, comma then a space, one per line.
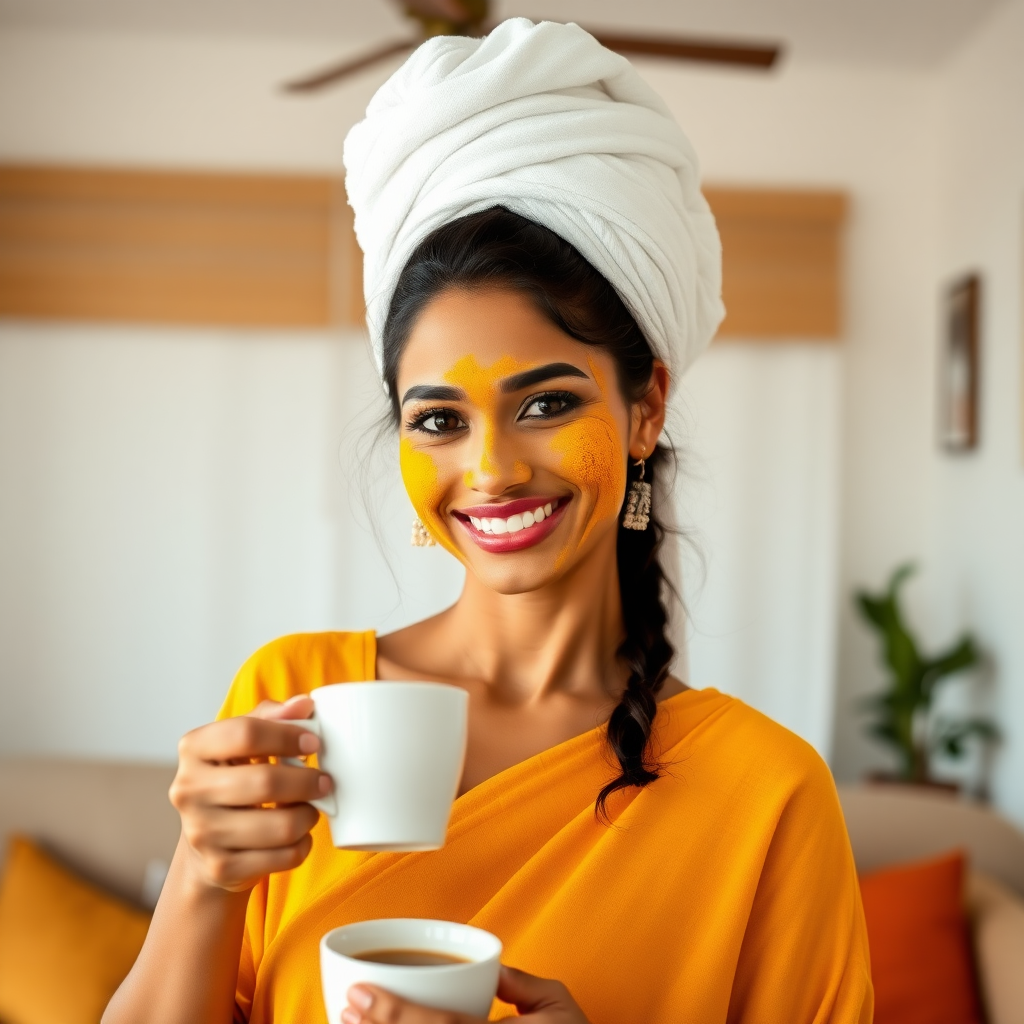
723, 892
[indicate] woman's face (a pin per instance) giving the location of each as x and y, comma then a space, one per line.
514, 438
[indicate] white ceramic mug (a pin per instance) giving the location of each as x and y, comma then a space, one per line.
459, 987
395, 753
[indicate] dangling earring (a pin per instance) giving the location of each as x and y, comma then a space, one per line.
420, 537
638, 500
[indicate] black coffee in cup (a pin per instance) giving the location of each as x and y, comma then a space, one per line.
410, 957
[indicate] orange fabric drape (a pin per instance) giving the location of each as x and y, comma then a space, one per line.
723, 892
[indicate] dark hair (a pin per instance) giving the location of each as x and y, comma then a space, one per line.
499, 248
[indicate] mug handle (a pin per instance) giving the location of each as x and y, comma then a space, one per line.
328, 804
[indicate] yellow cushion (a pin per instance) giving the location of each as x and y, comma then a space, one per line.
65, 945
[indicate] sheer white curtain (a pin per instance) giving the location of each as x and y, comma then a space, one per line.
172, 499
759, 486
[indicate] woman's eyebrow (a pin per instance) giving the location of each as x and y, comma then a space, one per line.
528, 378
434, 393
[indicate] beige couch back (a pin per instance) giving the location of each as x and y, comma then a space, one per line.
110, 820
106, 820
890, 823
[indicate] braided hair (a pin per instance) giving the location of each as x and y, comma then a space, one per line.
501, 249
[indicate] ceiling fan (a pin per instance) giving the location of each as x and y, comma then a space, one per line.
470, 18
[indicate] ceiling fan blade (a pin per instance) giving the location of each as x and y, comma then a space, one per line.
706, 50
338, 71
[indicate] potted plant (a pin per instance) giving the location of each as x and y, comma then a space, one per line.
901, 715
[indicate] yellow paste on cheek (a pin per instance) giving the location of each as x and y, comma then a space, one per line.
419, 473
593, 460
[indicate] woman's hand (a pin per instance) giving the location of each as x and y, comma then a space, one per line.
241, 816
538, 1000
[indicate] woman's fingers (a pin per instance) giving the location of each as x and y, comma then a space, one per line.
299, 706
253, 785
243, 817
232, 830
540, 999
238, 870
246, 737
368, 1004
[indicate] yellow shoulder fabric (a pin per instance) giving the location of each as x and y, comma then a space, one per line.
723, 893
65, 945
299, 663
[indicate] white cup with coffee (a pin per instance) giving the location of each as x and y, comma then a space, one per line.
440, 964
395, 753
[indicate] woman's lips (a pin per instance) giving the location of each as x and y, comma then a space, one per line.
512, 526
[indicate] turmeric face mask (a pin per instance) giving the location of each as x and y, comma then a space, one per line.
513, 439
420, 470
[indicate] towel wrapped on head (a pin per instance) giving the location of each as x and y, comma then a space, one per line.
543, 120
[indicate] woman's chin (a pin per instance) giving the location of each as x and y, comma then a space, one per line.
518, 572
516, 579
534, 568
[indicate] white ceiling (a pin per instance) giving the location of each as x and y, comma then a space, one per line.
908, 33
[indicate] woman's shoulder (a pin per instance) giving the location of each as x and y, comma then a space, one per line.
298, 663
741, 748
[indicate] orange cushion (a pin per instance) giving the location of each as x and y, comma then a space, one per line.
921, 962
65, 945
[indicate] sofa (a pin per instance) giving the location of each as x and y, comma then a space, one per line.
113, 824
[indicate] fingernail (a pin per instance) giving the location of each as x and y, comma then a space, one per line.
350, 1016
298, 696
309, 743
360, 997
326, 785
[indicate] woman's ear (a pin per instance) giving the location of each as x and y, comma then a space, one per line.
648, 418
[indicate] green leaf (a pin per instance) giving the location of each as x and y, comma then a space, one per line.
962, 655
951, 736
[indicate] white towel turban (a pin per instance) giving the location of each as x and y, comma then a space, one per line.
543, 120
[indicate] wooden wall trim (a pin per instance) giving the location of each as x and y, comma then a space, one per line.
782, 262
172, 247
273, 250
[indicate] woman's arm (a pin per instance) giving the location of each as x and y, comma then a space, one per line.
241, 819
189, 964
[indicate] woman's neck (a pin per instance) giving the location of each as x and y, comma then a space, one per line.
525, 647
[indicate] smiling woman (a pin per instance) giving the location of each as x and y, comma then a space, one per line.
540, 264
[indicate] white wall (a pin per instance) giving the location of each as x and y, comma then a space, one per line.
848, 428
169, 501
976, 543
136, 604
760, 461
873, 133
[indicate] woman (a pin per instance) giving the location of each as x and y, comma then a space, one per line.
539, 266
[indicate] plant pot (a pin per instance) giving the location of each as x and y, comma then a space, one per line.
891, 779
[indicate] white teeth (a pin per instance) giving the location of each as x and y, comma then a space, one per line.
514, 523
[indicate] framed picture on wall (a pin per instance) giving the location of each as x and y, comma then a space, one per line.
958, 397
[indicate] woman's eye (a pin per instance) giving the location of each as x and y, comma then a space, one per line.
545, 406
437, 421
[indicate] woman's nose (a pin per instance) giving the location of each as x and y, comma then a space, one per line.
493, 466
